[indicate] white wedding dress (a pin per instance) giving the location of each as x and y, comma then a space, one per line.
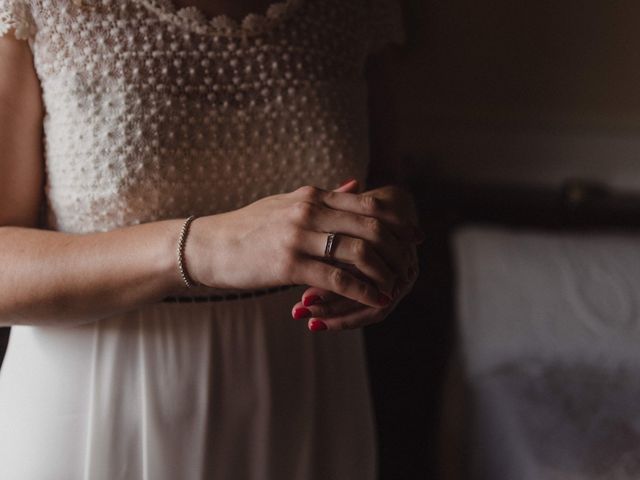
153, 112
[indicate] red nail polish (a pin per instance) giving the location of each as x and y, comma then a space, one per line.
317, 325
311, 300
301, 312
347, 181
384, 300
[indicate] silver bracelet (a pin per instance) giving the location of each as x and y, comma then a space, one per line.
188, 281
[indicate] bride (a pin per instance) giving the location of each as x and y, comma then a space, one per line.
169, 214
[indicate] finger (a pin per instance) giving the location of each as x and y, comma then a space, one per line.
313, 296
349, 186
399, 199
362, 204
359, 318
316, 273
400, 221
338, 307
393, 251
355, 251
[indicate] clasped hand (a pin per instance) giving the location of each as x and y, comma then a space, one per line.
280, 240
328, 310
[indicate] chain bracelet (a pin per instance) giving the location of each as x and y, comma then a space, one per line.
188, 281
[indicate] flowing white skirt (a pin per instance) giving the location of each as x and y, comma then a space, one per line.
221, 390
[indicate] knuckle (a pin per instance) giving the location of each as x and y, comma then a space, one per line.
374, 226
324, 311
319, 311
303, 211
339, 279
310, 193
364, 290
359, 249
327, 196
370, 204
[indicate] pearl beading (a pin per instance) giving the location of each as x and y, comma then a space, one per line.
147, 120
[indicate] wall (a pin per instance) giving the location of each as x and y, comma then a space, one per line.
516, 91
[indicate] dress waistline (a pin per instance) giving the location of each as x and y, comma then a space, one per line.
228, 297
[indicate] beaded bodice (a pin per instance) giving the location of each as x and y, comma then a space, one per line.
155, 112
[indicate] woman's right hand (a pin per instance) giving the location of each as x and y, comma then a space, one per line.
280, 240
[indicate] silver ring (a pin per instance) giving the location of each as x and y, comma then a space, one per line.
328, 249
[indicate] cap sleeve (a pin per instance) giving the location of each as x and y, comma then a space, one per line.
15, 15
386, 24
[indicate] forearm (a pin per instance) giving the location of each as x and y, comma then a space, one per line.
53, 278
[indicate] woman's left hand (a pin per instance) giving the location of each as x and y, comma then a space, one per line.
326, 310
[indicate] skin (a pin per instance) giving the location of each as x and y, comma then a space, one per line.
274, 241
326, 310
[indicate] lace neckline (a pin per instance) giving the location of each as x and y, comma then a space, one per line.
194, 19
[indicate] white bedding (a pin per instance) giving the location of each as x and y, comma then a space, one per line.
549, 328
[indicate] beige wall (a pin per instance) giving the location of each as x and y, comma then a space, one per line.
524, 91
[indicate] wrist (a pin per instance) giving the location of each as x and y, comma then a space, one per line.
169, 264
188, 280
198, 252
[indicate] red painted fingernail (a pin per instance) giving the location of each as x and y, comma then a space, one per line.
317, 325
348, 180
301, 312
384, 300
311, 300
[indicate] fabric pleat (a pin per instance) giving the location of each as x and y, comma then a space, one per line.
233, 389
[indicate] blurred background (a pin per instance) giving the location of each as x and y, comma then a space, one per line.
522, 92
518, 125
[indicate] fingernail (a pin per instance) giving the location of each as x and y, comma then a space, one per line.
384, 300
317, 325
301, 312
348, 180
311, 300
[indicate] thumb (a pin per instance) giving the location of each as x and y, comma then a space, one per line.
349, 186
